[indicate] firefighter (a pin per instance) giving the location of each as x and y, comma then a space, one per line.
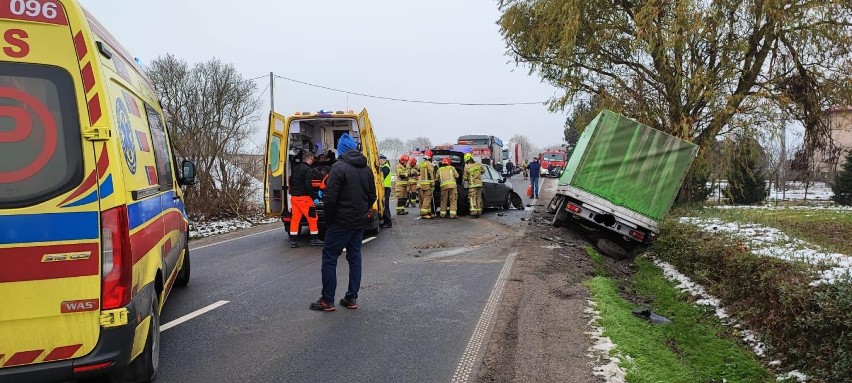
526, 168
413, 174
401, 185
427, 185
447, 175
473, 178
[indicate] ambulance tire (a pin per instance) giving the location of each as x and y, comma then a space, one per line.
183, 275
144, 369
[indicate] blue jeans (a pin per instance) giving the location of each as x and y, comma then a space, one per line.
336, 239
534, 183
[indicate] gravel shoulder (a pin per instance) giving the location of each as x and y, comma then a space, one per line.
540, 331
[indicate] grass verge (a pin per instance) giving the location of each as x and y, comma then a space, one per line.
827, 228
694, 348
806, 327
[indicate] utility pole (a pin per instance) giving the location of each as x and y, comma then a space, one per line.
783, 161
271, 92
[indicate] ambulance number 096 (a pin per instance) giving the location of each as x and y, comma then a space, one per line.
33, 8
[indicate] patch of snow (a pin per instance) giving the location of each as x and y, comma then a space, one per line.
770, 242
817, 191
551, 247
816, 208
210, 228
704, 298
603, 348
800, 377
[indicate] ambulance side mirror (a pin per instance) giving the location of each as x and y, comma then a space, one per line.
187, 176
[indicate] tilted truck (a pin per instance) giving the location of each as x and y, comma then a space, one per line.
620, 181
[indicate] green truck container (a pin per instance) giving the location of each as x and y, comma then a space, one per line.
622, 177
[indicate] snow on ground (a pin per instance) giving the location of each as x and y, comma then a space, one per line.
703, 298
782, 208
602, 349
771, 242
207, 229
817, 191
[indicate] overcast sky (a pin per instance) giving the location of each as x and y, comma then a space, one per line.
438, 50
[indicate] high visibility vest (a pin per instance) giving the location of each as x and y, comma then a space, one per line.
447, 175
473, 175
388, 181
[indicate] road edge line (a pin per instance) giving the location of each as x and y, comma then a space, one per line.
233, 239
467, 366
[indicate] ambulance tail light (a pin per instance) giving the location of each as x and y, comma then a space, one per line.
116, 259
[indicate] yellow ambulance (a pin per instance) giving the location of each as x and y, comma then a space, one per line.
93, 230
289, 137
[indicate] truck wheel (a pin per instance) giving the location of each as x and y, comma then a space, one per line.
614, 250
144, 369
553, 206
183, 275
560, 216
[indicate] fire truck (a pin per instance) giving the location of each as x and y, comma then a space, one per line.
487, 149
552, 162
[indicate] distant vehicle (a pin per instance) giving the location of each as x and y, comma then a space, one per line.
289, 137
93, 227
486, 149
552, 162
621, 179
497, 191
514, 153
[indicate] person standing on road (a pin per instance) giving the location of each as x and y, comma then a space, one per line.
447, 175
535, 172
427, 185
526, 169
473, 178
387, 180
349, 193
413, 174
401, 184
302, 202
510, 167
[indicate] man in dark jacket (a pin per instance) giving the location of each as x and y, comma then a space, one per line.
535, 172
302, 202
349, 193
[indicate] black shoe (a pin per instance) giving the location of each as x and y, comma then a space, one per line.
349, 303
321, 305
316, 242
385, 226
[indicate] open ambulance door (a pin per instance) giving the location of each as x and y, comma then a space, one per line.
371, 151
275, 182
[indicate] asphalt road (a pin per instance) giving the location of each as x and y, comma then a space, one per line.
424, 287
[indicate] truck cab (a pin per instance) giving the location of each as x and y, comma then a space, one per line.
552, 162
288, 137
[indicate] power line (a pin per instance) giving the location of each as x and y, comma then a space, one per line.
411, 100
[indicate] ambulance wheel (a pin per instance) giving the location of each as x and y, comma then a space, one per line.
144, 369
183, 275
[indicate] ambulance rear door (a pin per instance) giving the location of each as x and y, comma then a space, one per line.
52, 180
371, 151
275, 182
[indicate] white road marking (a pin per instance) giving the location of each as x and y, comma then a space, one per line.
365, 241
465, 369
192, 315
233, 239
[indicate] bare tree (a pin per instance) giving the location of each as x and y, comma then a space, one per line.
211, 112
392, 147
421, 143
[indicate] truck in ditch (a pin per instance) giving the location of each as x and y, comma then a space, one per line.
621, 179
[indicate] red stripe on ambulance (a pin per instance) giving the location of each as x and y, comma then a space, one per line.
103, 165
19, 264
23, 357
60, 353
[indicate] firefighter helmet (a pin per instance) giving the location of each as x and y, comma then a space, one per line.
468, 157
428, 155
403, 159
412, 161
446, 161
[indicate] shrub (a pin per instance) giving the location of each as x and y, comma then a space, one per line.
810, 326
747, 179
